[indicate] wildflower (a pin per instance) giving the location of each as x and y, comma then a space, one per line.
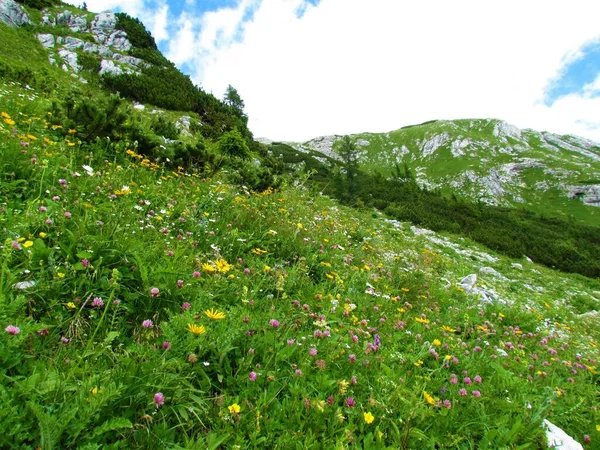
223, 266
11, 329
478, 379
267, 268
186, 306
179, 284
350, 402
463, 392
298, 372
234, 409
159, 399
421, 320
209, 268
257, 251
60, 274
320, 363
95, 391
447, 404
196, 329
428, 398
343, 386
476, 394
62, 182
67, 215
252, 376
369, 418
274, 323
437, 342
196, 274
467, 380
147, 324
154, 292
42, 235
16, 245
453, 379
64, 340
214, 314
166, 345
313, 352
27, 244
97, 302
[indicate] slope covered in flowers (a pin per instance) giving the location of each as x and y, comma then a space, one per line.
144, 307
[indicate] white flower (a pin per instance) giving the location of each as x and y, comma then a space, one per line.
88, 170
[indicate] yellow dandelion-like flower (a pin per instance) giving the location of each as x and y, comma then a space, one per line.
448, 329
209, 268
258, 251
299, 225
214, 314
196, 329
428, 398
27, 244
223, 266
423, 321
419, 363
60, 275
96, 391
437, 342
31, 137
4, 115
42, 234
369, 418
598, 428
72, 131
234, 409
71, 305
9, 121
267, 268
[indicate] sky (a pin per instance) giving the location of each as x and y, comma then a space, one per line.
307, 68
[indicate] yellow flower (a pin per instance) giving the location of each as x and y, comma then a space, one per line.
223, 266
423, 321
299, 225
209, 268
95, 391
234, 409
428, 398
60, 275
71, 131
31, 137
437, 342
419, 363
4, 115
27, 244
267, 268
9, 121
214, 314
598, 428
448, 329
42, 234
258, 251
369, 418
196, 329
343, 386
71, 305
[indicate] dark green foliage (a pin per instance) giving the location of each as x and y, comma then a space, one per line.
232, 144
40, 79
136, 32
39, 4
553, 242
89, 61
91, 118
349, 154
150, 55
163, 127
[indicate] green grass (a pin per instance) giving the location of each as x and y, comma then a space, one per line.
290, 272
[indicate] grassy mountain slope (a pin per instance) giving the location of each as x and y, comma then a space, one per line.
489, 161
159, 288
150, 308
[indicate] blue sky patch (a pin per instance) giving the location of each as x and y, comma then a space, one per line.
576, 75
304, 6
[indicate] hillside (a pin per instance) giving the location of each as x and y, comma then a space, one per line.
167, 282
488, 161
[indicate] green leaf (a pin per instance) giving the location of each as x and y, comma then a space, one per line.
111, 425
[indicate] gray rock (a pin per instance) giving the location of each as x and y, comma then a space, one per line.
130, 60
558, 439
88, 47
493, 272
78, 24
13, 14
70, 59
103, 26
108, 67
118, 40
139, 106
47, 40
60, 40
48, 21
63, 17
103, 50
72, 43
468, 282
183, 125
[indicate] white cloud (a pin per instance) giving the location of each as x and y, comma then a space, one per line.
375, 65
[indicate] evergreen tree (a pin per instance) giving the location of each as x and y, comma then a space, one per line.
349, 154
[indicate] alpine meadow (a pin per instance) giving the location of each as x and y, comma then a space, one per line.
169, 281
